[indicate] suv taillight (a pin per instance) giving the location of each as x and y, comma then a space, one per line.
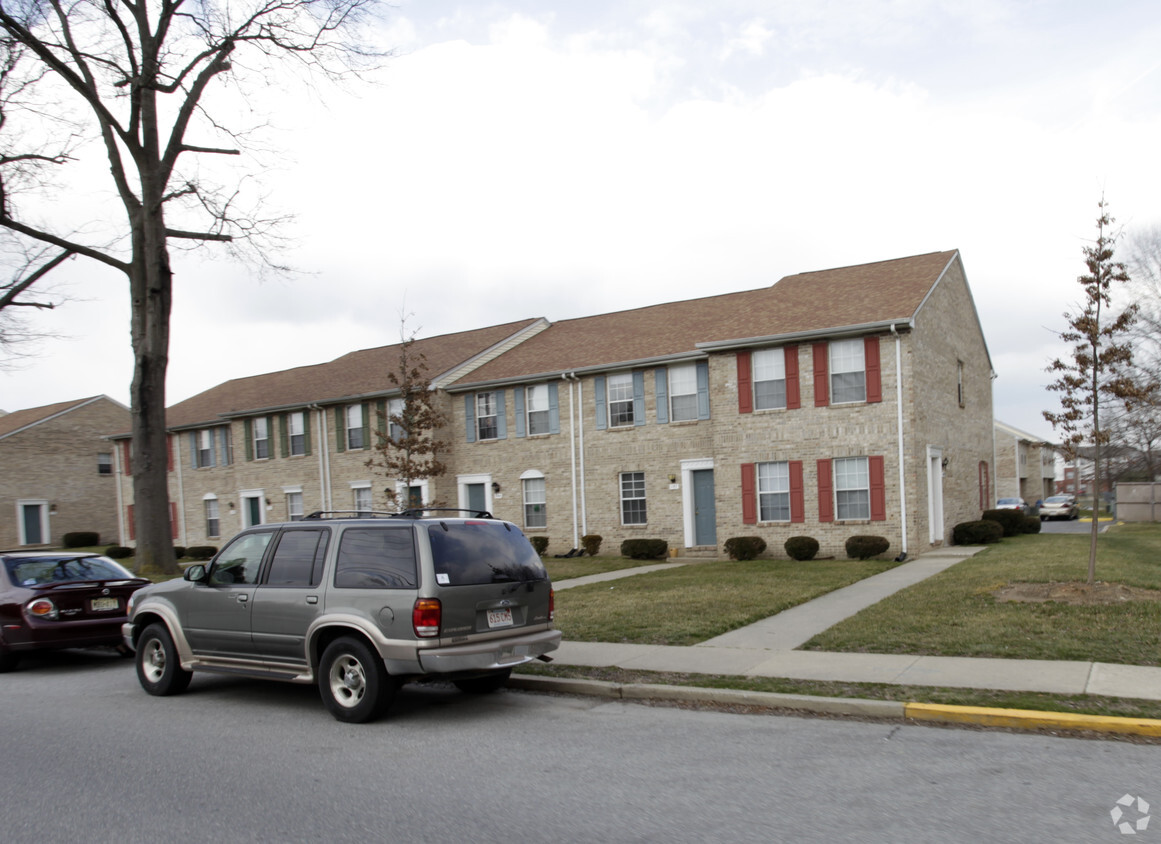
425, 617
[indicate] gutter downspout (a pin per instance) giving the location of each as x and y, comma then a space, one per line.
899, 425
324, 463
180, 489
576, 418
570, 378
120, 476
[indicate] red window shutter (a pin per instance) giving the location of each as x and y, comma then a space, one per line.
173, 520
126, 457
874, 369
878, 489
132, 525
797, 493
745, 383
793, 392
825, 492
749, 495
821, 375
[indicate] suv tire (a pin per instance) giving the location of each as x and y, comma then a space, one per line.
158, 667
353, 682
484, 685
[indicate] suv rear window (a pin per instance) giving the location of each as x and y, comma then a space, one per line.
376, 558
466, 553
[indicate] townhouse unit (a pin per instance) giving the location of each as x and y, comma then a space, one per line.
57, 471
1025, 465
847, 401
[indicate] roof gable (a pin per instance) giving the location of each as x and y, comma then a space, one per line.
18, 420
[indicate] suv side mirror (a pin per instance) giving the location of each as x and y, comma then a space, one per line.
196, 573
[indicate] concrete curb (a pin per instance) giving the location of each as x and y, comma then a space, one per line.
1021, 719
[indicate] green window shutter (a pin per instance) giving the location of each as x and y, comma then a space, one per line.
248, 427
366, 425
306, 414
340, 429
283, 438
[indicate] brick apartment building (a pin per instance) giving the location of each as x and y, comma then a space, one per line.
847, 401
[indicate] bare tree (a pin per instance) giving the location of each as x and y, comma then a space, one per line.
406, 447
1098, 367
129, 81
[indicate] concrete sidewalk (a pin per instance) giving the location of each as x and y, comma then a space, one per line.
767, 648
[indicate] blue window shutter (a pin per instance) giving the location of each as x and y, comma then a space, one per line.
222, 443
599, 392
518, 394
193, 449
470, 416
501, 418
703, 390
213, 448
553, 408
638, 398
661, 378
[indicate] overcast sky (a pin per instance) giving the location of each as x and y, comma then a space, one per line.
520, 159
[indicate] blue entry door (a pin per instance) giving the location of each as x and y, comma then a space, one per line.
705, 517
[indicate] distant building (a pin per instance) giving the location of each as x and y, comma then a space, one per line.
57, 471
1025, 465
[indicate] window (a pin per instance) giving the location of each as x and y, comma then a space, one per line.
355, 433
296, 432
683, 392
298, 559
213, 520
633, 498
203, 448
848, 377
959, 382
376, 558
241, 560
535, 514
537, 408
852, 486
487, 427
774, 492
261, 429
362, 499
620, 399
769, 379
293, 505
395, 411
105, 463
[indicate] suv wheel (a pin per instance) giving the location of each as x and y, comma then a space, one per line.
484, 685
353, 682
158, 667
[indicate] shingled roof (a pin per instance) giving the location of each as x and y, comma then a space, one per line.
353, 375
17, 420
827, 300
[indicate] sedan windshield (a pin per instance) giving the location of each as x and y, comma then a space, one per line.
39, 571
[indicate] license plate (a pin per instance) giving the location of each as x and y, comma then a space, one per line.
104, 604
500, 618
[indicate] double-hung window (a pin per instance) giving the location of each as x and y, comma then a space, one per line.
633, 498
620, 399
205, 447
362, 499
774, 492
293, 505
852, 488
683, 392
395, 430
487, 424
105, 463
261, 433
213, 520
848, 372
769, 379
536, 402
296, 432
356, 435
535, 514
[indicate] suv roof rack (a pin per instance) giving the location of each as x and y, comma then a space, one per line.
417, 512
409, 513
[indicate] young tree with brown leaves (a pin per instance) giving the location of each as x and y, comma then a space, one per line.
1100, 363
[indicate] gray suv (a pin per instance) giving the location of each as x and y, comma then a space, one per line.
358, 603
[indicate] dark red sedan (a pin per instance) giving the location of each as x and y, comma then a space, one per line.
60, 599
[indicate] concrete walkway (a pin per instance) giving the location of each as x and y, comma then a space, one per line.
767, 648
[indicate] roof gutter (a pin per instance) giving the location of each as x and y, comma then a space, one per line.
553, 375
892, 325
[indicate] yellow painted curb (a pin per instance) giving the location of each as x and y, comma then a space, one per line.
1031, 720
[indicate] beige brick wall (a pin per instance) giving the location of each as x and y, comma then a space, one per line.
56, 461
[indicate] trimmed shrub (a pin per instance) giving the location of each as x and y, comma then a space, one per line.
745, 547
179, 551
982, 532
1012, 521
592, 544
201, 552
539, 544
118, 552
801, 548
81, 539
1031, 524
865, 547
644, 549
